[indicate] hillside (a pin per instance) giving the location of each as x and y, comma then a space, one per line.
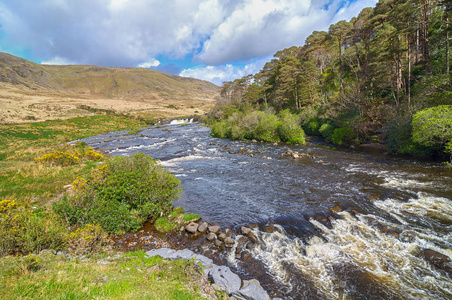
31, 91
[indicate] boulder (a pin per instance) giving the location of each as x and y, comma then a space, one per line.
203, 227
270, 228
222, 236
251, 290
245, 230
229, 242
192, 227
228, 232
211, 236
214, 229
224, 277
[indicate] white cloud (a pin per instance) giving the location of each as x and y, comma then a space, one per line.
228, 72
129, 32
57, 61
150, 63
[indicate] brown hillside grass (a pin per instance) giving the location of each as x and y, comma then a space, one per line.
30, 92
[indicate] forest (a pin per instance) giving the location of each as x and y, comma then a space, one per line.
381, 78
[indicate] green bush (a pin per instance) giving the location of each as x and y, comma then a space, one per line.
262, 126
121, 195
312, 127
289, 129
344, 136
267, 128
432, 127
327, 131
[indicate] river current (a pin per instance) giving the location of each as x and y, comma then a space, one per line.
350, 223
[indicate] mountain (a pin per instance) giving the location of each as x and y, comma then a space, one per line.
32, 91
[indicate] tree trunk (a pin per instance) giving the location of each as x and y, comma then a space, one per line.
447, 46
425, 41
408, 84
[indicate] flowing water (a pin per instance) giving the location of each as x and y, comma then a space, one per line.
350, 224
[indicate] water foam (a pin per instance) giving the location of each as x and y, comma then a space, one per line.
355, 240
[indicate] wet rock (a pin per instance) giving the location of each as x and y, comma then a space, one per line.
192, 227
229, 242
253, 238
245, 255
245, 230
182, 229
251, 290
214, 229
211, 236
295, 155
224, 277
203, 227
336, 209
228, 232
249, 246
242, 240
270, 228
218, 243
437, 259
222, 236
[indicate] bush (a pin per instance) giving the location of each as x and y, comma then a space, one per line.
25, 231
266, 129
289, 129
327, 131
59, 158
121, 195
344, 136
312, 128
432, 127
90, 238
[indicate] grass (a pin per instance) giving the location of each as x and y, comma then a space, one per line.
164, 225
125, 276
190, 217
30, 183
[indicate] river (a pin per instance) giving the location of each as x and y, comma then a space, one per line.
350, 223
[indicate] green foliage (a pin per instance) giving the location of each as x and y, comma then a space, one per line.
327, 131
344, 136
289, 128
261, 126
90, 238
432, 127
121, 195
26, 231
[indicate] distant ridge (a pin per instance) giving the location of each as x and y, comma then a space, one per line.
153, 89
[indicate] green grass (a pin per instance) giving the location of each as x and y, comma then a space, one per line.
190, 217
127, 276
30, 183
164, 225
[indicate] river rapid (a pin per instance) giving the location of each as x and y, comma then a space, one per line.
350, 223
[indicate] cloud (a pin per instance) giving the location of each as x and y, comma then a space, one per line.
129, 32
57, 61
150, 63
220, 74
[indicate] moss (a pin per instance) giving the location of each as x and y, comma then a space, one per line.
164, 225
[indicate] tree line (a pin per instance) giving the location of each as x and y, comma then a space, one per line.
370, 74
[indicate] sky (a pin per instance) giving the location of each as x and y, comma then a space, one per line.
206, 39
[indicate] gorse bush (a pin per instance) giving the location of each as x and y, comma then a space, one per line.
90, 238
25, 231
261, 126
120, 195
70, 157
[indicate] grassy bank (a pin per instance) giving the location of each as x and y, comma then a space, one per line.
122, 276
33, 184
38, 171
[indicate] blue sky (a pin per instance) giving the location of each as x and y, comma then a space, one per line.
207, 39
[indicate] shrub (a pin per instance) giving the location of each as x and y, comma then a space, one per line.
312, 128
91, 155
121, 195
289, 129
59, 158
26, 231
432, 127
344, 136
90, 238
327, 130
267, 128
